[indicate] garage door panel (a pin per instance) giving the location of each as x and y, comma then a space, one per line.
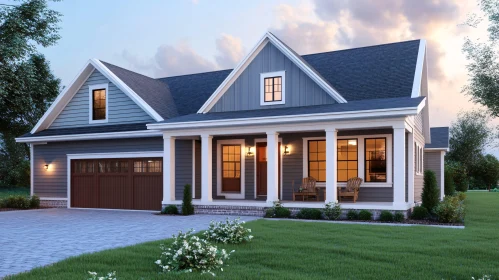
146, 191
114, 192
84, 192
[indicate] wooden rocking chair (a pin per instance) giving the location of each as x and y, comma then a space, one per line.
352, 189
307, 189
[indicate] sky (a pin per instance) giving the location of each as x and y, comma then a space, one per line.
165, 38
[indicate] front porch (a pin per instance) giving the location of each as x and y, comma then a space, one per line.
251, 167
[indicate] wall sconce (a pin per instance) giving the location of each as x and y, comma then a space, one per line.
46, 166
249, 153
286, 150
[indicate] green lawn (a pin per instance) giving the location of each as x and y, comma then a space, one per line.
299, 250
6, 192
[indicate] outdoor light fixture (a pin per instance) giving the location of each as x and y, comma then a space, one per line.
46, 166
249, 153
286, 150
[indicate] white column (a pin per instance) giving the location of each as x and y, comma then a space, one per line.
399, 166
442, 175
272, 166
331, 170
410, 167
168, 169
206, 168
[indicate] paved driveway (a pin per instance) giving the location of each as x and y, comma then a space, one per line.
40, 237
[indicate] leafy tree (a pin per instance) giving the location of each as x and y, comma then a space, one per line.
470, 134
430, 195
459, 175
483, 67
449, 186
487, 169
27, 86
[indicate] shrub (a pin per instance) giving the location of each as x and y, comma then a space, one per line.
277, 211
34, 202
17, 202
228, 232
309, 214
170, 210
461, 196
352, 215
430, 195
419, 213
187, 208
190, 253
386, 216
332, 211
109, 276
398, 217
449, 187
365, 215
450, 210
495, 190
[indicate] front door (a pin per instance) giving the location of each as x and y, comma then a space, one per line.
261, 169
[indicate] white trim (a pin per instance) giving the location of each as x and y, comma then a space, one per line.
264, 140
360, 159
54, 198
419, 159
70, 157
263, 76
193, 169
437, 149
68, 93
442, 175
91, 136
378, 113
416, 85
91, 88
31, 168
231, 195
268, 37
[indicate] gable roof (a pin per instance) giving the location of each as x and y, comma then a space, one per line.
153, 92
439, 138
289, 53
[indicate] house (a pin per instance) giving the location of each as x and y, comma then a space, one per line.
245, 137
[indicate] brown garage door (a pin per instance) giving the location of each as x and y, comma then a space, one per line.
117, 183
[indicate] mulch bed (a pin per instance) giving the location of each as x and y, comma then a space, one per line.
17, 209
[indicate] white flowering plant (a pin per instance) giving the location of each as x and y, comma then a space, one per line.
189, 253
228, 232
95, 276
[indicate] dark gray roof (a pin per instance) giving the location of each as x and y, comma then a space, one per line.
153, 92
89, 129
381, 71
439, 138
360, 105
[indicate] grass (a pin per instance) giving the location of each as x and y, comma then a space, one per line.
298, 250
6, 192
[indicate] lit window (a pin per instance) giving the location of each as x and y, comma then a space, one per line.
273, 89
99, 104
150, 166
231, 168
375, 160
317, 160
347, 159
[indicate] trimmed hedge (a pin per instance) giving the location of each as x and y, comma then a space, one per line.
20, 202
398, 217
431, 195
386, 216
309, 214
352, 215
420, 213
365, 215
170, 210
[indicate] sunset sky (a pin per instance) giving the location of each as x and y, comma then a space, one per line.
165, 38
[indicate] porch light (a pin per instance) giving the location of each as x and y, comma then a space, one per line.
249, 153
286, 150
46, 166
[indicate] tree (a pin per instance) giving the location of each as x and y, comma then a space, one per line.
449, 186
483, 67
430, 194
470, 134
187, 208
459, 175
27, 86
487, 169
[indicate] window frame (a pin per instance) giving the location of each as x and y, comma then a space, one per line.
264, 76
347, 160
366, 160
220, 192
318, 161
91, 89
419, 160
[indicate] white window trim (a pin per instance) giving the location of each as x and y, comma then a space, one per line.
419, 159
262, 87
231, 195
360, 159
91, 105
264, 140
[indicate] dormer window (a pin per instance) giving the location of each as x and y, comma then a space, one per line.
98, 103
272, 88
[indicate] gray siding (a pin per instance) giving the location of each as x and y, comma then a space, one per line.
418, 119
244, 93
121, 109
432, 161
54, 183
183, 166
418, 179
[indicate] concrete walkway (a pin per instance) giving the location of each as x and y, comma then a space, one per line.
40, 237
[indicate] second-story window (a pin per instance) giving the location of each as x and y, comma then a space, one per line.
99, 104
273, 89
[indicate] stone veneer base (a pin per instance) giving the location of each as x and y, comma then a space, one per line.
54, 203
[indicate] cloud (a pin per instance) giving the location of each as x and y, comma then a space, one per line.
230, 51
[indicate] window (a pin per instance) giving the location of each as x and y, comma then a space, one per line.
82, 166
113, 166
317, 159
375, 160
149, 165
231, 168
419, 159
347, 159
272, 88
98, 103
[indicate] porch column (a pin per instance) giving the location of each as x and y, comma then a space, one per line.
272, 166
410, 167
331, 170
206, 168
168, 169
399, 166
